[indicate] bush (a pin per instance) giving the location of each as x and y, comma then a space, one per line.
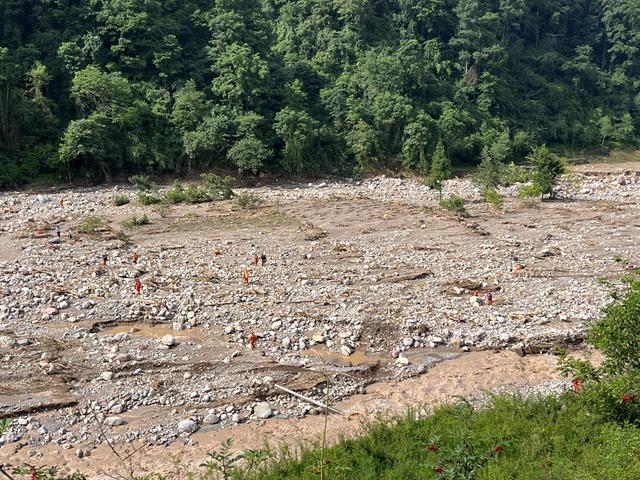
145, 198
136, 221
248, 200
617, 333
218, 188
177, 193
492, 197
529, 191
91, 225
120, 200
142, 182
454, 203
512, 173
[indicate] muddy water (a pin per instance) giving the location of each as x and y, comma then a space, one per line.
358, 357
157, 330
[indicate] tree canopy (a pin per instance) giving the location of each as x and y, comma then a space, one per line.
92, 89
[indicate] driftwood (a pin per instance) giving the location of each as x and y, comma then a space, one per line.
309, 400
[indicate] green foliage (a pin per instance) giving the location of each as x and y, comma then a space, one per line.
249, 154
548, 167
248, 200
512, 173
120, 200
617, 334
44, 473
454, 203
218, 188
492, 197
92, 225
145, 198
529, 191
5, 423
136, 221
494, 153
301, 86
512, 438
440, 168
177, 193
142, 182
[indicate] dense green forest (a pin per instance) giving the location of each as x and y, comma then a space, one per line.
92, 89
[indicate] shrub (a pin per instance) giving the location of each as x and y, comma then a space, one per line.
218, 188
617, 333
91, 225
148, 198
142, 182
177, 193
136, 221
512, 173
454, 203
248, 200
492, 197
529, 191
548, 168
5, 423
120, 200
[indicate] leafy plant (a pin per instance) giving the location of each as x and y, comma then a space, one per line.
145, 198
456, 204
248, 200
440, 168
548, 167
5, 423
45, 473
492, 197
142, 182
120, 200
91, 225
177, 193
136, 221
529, 191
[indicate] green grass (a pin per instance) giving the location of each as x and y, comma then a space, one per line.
136, 221
92, 224
513, 439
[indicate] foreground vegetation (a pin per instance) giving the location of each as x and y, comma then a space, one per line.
92, 89
589, 432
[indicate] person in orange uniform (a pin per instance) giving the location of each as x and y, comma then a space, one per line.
252, 340
245, 275
138, 286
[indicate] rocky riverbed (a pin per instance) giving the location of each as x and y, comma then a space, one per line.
364, 282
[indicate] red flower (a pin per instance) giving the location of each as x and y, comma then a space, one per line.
439, 469
433, 447
577, 384
628, 398
498, 449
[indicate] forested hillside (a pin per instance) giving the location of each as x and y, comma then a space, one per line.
90, 89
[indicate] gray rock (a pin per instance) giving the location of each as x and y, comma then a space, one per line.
114, 421
211, 419
168, 340
262, 410
187, 426
106, 376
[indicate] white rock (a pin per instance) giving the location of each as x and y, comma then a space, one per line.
345, 350
187, 426
262, 410
106, 376
114, 421
168, 340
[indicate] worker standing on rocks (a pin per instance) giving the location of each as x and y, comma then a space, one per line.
104, 260
58, 230
252, 341
135, 258
255, 260
245, 275
489, 297
263, 260
138, 285
70, 234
